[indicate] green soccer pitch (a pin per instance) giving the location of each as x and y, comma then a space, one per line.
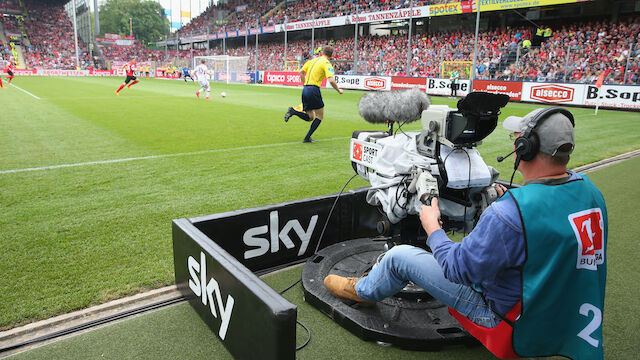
90, 181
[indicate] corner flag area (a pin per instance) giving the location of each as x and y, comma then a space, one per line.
90, 183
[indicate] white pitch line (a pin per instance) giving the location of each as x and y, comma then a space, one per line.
25, 91
155, 157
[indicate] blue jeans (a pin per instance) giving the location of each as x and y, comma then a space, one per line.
404, 263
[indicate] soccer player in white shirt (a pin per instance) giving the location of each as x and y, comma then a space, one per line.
201, 73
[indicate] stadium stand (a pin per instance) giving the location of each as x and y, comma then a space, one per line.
576, 52
10, 7
592, 47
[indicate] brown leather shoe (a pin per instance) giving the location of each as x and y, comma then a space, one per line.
345, 288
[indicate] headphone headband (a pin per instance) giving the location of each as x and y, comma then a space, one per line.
528, 143
545, 113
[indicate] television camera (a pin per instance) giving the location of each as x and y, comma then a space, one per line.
408, 169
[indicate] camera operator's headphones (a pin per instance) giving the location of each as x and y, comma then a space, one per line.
527, 144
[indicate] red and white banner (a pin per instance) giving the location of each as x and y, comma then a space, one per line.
404, 82
46, 72
101, 72
25, 72
553, 93
308, 24
436, 86
112, 36
284, 78
396, 14
358, 82
511, 88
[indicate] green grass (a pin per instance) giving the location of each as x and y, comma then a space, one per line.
178, 333
76, 236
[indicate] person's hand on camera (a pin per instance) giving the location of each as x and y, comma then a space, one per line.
501, 189
430, 217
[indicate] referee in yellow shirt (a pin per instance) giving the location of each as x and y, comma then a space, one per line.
311, 75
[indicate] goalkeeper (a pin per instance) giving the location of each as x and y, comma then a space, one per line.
311, 75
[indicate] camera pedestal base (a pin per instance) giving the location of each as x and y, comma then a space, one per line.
412, 319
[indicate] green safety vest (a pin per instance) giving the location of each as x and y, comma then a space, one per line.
564, 274
539, 32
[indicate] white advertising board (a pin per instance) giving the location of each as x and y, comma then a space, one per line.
358, 82
616, 96
436, 86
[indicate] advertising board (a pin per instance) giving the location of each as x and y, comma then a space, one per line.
358, 82
437, 86
511, 88
404, 82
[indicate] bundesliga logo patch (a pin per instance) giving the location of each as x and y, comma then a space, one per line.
357, 151
588, 228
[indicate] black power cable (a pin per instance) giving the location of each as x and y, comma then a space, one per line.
97, 322
315, 252
298, 321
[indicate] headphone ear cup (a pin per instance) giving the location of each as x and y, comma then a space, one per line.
528, 146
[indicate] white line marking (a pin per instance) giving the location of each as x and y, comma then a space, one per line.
25, 91
156, 156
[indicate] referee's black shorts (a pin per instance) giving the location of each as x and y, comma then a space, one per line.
311, 98
129, 78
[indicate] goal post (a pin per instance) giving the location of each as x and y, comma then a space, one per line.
292, 65
230, 69
463, 66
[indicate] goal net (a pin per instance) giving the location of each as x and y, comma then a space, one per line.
292, 65
464, 67
230, 69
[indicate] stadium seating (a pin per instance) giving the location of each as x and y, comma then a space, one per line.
592, 47
576, 52
10, 7
48, 40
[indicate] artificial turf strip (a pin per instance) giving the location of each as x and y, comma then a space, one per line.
177, 332
72, 237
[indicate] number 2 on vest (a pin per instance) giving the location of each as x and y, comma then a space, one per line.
593, 325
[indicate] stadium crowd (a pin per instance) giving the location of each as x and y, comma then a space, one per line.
575, 52
47, 37
240, 13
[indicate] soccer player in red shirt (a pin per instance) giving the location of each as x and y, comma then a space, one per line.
9, 69
130, 68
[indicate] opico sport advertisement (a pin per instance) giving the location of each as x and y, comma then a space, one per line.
284, 78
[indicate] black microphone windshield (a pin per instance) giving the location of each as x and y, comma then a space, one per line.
402, 106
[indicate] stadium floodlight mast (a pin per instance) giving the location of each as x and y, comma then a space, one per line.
475, 45
75, 33
246, 39
285, 43
355, 45
96, 17
626, 69
313, 31
255, 57
409, 52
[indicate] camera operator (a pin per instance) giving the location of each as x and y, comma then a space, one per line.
535, 255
